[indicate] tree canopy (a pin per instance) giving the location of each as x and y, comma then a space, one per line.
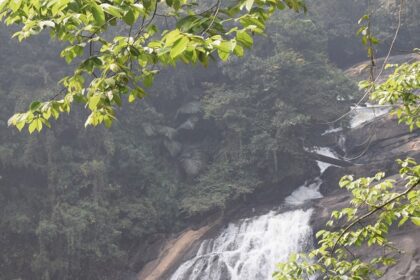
111, 67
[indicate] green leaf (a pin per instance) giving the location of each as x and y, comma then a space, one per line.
223, 55
131, 97
238, 51
172, 37
248, 4
3, 4
416, 221
244, 38
94, 101
112, 10
98, 14
34, 106
179, 47
148, 80
20, 125
38, 124
129, 18
403, 220
226, 46
32, 126
108, 121
14, 5
59, 6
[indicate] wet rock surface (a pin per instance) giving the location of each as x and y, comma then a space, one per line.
374, 146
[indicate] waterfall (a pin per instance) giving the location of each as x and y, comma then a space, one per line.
250, 248
325, 151
363, 114
310, 190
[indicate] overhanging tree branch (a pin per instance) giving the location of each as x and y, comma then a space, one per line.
347, 228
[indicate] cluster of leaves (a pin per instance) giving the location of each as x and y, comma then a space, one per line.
125, 65
353, 227
401, 89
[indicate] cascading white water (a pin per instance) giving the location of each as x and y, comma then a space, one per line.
325, 151
363, 114
309, 191
249, 249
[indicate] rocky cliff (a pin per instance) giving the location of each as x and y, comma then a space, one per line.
374, 146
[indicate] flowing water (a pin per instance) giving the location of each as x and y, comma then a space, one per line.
325, 151
363, 114
250, 248
309, 191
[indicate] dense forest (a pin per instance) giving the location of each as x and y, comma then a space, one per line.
81, 203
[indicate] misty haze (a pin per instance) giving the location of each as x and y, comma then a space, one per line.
209, 140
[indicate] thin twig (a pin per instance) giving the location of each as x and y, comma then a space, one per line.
144, 25
371, 67
219, 2
393, 41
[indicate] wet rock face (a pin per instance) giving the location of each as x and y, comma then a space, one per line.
383, 134
408, 267
360, 71
173, 147
190, 108
186, 141
372, 147
193, 160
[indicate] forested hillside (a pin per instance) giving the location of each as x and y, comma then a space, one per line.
83, 203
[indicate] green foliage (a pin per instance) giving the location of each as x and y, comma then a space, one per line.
125, 65
81, 204
375, 208
400, 90
223, 182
